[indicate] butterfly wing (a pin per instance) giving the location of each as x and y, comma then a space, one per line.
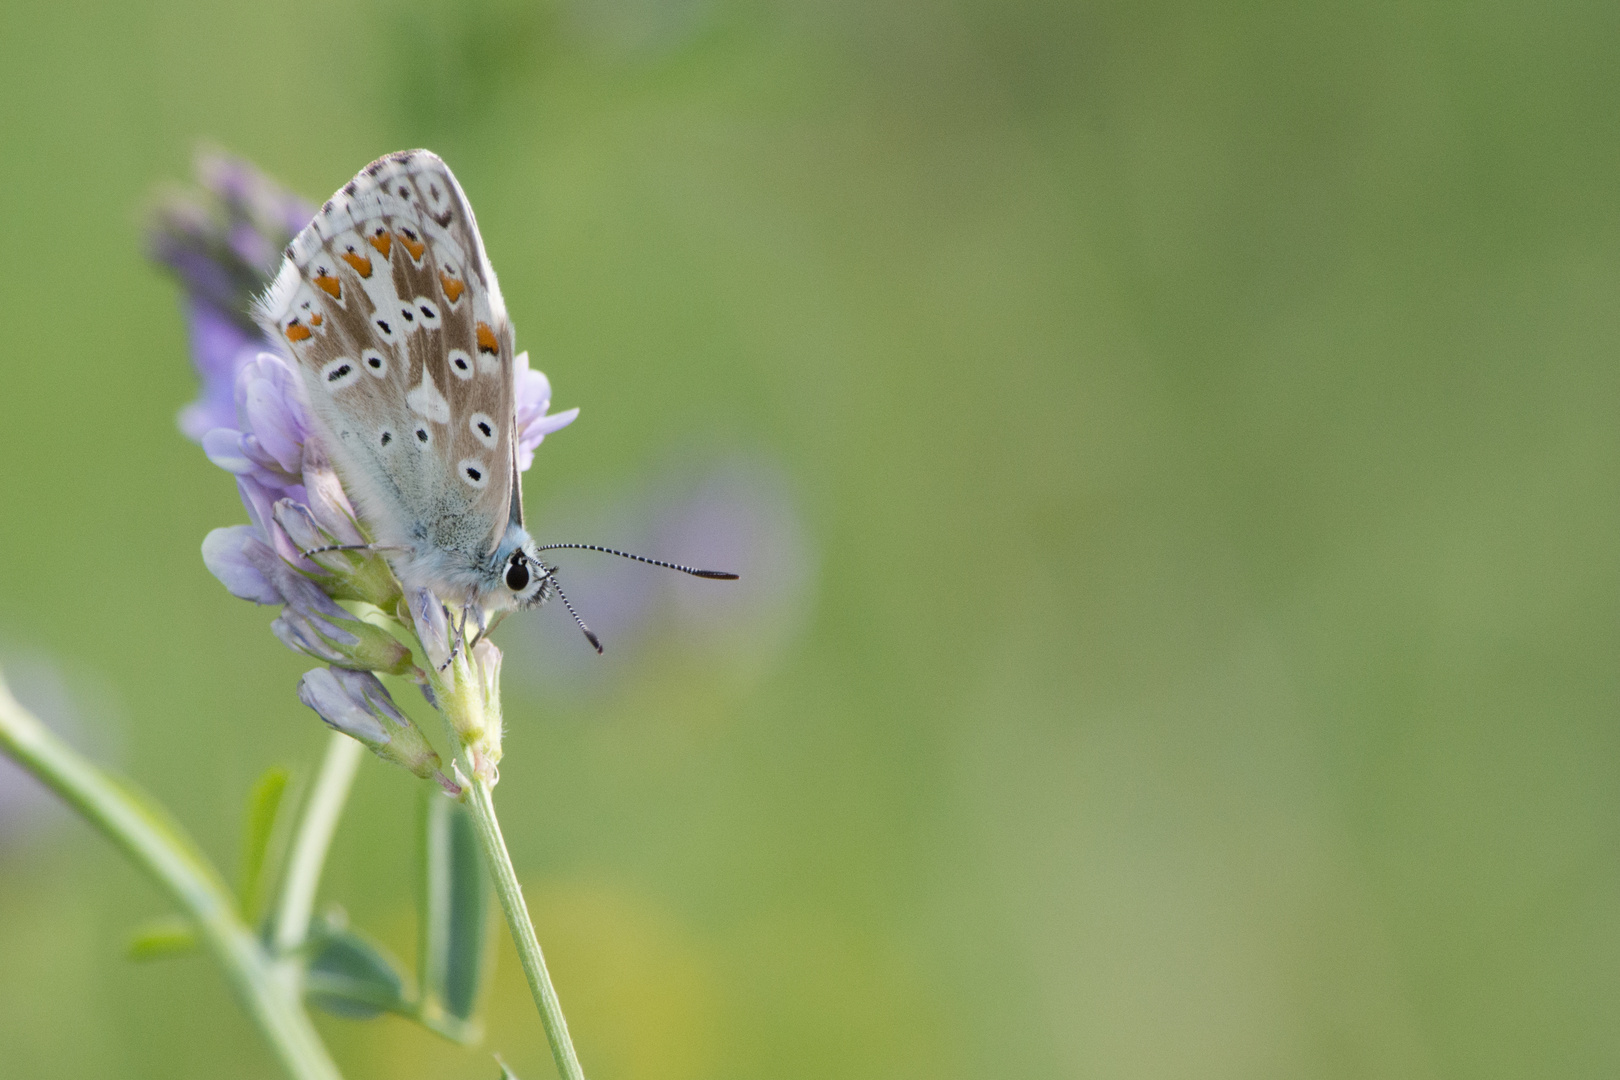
389, 306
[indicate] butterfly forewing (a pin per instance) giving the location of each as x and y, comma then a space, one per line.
389, 306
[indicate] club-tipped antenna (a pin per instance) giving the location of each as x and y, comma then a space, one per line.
590, 635
718, 575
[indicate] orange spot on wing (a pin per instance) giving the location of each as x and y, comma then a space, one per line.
452, 288
315, 319
333, 287
383, 243
486, 339
415, 247
297, 331
361, 264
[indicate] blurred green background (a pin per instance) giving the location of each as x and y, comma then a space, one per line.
1175, 449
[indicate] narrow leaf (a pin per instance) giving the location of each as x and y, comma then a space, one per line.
351, 976
258, 826
453, 913
506, 1070
171, 935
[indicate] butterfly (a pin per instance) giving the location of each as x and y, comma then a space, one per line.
388, 305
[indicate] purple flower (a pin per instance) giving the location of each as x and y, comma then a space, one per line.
234, 555
355, 703
311, 622
219, 348
272, 423
224, 242
533, 398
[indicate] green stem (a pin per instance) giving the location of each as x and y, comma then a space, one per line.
481, 800
268, 989
314, 838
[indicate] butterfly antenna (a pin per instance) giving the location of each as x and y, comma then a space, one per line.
719, 575
590, 635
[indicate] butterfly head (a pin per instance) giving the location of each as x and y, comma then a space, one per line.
524, 581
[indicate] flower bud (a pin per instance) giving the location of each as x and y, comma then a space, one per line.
486, 670
345, 575
234, 556
427, 614
355, 703
270, 408
313, 624
328, 502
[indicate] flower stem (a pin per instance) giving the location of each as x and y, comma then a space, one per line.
314, 838
268, 989
481, 800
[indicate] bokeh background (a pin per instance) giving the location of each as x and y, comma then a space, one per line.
1172, 448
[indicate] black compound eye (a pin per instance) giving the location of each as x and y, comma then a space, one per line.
517, 576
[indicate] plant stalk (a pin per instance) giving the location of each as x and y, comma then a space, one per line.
315, 830
268, 989
481, 800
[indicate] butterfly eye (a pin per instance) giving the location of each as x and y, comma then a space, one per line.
517, 576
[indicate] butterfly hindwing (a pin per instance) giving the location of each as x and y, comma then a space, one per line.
389, 306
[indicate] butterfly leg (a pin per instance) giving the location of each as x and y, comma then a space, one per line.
482, 623
457, 638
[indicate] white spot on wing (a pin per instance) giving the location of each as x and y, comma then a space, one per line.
375, 362
437, 191
460, 364
484, 429
473, 472
339, 373
426, 400
386, 328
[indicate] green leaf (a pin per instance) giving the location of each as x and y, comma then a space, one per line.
258, 825
453, 912
159, 939
506, 1070
351, 976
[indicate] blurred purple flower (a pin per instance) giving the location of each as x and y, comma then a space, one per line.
223, 241
734, 512
219, 348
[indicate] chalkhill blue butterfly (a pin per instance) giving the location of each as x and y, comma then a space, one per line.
388, 305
